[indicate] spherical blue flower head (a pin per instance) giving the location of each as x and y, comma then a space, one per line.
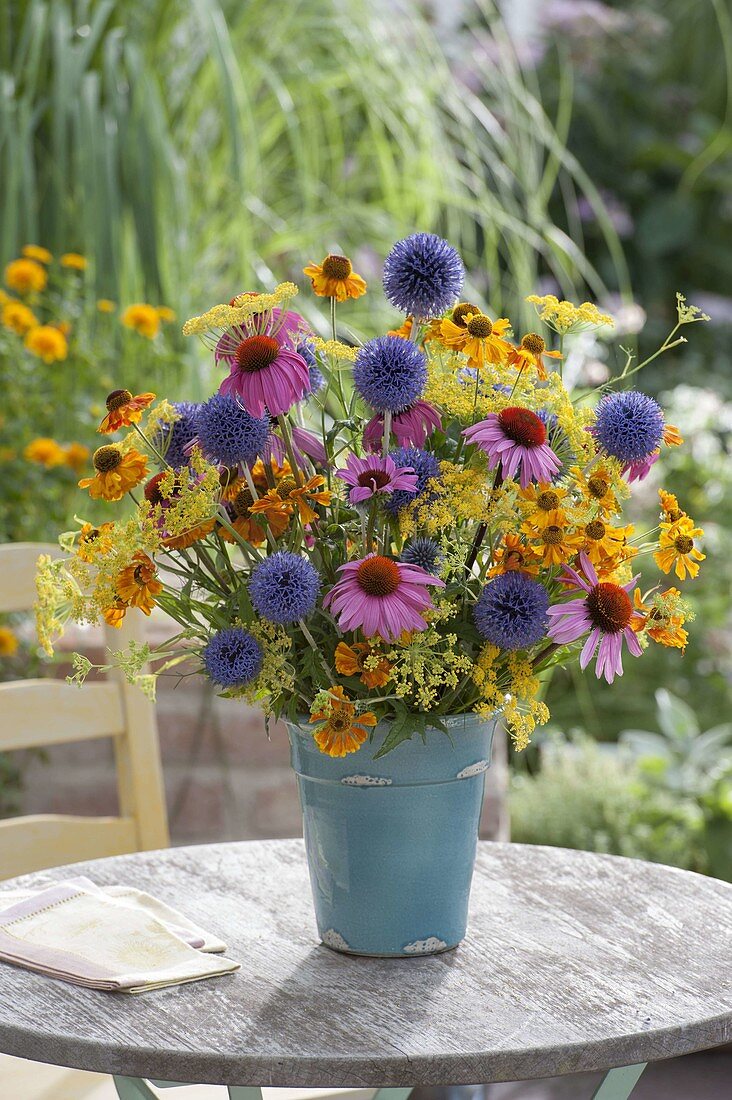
228, 434
426, 467
629, 425
284, 587
176, 436
390, 373
423, 552
307, 352
233, 657
511, 611
423, 275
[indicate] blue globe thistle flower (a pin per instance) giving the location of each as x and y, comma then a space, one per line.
233, 657
229, 434
284, 587
423, 552
511, 611
423, 275
390, 373
426, 467
629, 425
175, 437
317, 378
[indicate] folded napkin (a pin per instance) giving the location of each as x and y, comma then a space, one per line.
105, 937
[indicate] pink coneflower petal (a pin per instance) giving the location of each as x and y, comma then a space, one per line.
375, 475
516, 438
265, 372
410, 427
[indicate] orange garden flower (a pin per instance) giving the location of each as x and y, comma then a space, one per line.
240, 502
142, 318
335, 278
48, 343
555, 543
46, 452
18, 317
664, 618
274, 509
37, 252
601, 541
361, 659
114, 615
481, 339
94, 541
76, 456
137, 584
597, 487
8, 642
341, 731
302, 496
515, 555
25, 276
547, 500
676, 548
106, 305
123, 410
669, 506
117, 471
74, 260
672, 436
532, 350
166, 314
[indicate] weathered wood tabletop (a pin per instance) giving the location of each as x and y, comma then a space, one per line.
573, 961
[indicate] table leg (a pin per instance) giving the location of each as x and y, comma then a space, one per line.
617, 1084
132, 1088
392, 1094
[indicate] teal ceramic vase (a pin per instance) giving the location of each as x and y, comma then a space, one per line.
391, 842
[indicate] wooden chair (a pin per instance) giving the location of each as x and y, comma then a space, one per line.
41, 713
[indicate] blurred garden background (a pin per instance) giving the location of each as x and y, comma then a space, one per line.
174, 153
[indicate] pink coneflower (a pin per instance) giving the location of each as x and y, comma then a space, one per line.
606, 611
410, 427
270, 323
516, 438
266, 372
368, 476
381, 596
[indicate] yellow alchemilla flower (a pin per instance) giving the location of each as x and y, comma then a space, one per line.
106, 305
564, 317
37, 252
240, 309
143, 319
46, 452
48, 343
335, 278
335, 349
26, 276
18, 317
8, 642
74, 260
676, 548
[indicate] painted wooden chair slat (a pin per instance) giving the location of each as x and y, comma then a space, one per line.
42, 713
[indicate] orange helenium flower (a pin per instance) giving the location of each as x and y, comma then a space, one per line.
142, 318
481, 339
25, 276
123, 410
18, 317
47, 342
137, 584
351, 661
532, 350
341, 731
117, 472
676, 548
335, 278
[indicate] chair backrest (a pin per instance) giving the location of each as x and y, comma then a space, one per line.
41, 713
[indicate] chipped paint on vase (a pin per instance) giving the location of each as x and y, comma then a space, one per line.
391, 847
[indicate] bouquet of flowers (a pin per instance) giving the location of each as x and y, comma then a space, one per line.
400, 531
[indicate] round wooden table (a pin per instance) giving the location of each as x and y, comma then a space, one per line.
573, 961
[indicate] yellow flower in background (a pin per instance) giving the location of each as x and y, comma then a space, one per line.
76, 456
48, 343
166, 314
18, 317
37, 252
341, 731
46, 452
116, 472
142, 318
25, 276
106, 305
676, 549
335, 278
8, 642
74, 260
